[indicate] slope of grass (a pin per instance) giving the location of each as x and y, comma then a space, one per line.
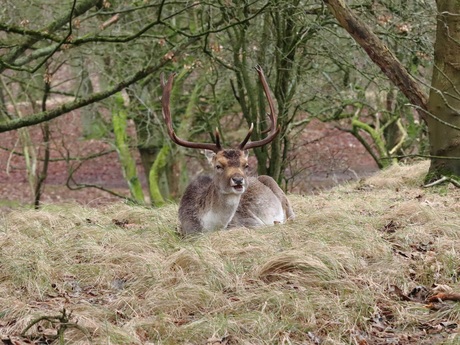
355, 267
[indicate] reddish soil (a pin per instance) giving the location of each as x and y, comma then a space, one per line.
325, 156
322, 157
66, 145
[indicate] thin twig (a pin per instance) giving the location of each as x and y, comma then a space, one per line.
442, 180
74, 185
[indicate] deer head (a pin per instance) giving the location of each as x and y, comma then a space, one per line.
230, 165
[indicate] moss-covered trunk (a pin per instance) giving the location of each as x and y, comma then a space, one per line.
444, 101
128, 164
157, 168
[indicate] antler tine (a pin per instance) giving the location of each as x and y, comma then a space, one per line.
274, 129
217, 135
244, 142
167, 118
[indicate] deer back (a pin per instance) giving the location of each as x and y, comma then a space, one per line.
264, 203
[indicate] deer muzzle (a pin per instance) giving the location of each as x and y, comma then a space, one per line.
237, 183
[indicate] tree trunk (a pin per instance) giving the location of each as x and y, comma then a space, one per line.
379, 53
150, 142
444, 103
128, 164
46, 134
441, 111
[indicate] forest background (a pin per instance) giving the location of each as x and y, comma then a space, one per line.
80, 90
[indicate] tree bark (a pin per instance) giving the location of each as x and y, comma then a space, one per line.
128, 164
444, 104
155, 171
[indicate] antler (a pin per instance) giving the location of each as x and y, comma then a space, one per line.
244, 145
167, 117
274, 129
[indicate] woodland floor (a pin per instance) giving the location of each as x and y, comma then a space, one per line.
368, 263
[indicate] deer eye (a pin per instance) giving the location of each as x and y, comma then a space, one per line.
219, 167
246, 166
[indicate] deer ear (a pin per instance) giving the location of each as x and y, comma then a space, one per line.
246, 154
209, 155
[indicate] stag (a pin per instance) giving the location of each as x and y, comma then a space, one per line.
229, 198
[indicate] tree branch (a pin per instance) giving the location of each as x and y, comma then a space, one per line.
95, 97
26, 32
78, 10
379, 53
74, 185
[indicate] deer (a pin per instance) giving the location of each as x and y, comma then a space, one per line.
229, 198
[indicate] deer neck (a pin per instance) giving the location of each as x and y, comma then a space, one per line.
220, 208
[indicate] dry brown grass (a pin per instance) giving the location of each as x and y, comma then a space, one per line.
339, 274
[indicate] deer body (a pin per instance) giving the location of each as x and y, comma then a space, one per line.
264, 203
229, 198
204, 208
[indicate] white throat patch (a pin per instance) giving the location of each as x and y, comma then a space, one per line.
219, 219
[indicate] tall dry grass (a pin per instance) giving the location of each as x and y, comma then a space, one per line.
346, 271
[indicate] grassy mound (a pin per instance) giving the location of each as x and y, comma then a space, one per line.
359, 265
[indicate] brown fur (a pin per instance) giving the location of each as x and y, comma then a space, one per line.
262, 199
212, 203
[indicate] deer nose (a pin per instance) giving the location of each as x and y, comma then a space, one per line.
237, 180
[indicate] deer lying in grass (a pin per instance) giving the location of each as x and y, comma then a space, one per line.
229, 198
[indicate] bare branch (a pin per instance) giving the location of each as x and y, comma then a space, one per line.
426, 113
41, 35
95, 97
77, 10
73, 185
379, 53
443, 179
274, 129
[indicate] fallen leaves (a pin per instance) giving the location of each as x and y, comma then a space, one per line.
383, 325
440, 297
422, 294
